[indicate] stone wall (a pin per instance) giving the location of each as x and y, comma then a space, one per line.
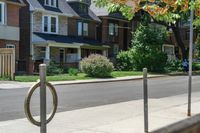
37, 22
62, 23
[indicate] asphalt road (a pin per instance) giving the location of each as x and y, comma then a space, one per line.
79, 96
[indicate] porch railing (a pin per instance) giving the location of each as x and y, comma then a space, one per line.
71, 58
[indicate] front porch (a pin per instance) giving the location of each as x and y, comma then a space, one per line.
66, 56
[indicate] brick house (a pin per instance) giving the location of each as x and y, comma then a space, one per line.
9, 24
115, 30
57, 30
171, 47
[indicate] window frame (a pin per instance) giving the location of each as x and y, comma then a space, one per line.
10, 46
115, 29
49, 3
49, 17
82, 31
3, 13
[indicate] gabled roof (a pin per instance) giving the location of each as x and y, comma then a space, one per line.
62, 8
16, 1
90, 15
103, 12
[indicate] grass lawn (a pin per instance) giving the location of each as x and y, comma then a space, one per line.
80, 76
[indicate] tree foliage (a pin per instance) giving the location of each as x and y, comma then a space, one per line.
146, 50
166, 12
162, 10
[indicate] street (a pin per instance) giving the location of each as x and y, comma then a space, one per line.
72, 97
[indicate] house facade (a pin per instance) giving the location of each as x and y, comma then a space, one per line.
57, 30
114, 30
9, 25
171, 47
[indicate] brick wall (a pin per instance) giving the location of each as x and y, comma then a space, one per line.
118, 40
13, 15
92, 30
63, 25
104, 30
72, 28
25, 29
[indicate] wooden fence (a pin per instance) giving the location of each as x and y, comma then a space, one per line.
7, 62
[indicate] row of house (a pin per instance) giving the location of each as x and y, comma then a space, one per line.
64, 31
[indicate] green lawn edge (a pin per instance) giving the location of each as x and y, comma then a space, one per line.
67, 77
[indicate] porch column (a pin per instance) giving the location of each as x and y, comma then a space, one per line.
79, 54
105, 53
79, 58
33, 51
47, 55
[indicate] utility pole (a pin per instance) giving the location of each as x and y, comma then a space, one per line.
190, 60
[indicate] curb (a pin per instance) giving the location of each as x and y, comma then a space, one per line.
107, 80
187, 124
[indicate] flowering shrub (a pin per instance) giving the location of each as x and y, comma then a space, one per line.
97, 66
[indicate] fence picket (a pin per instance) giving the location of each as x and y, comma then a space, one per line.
7, 62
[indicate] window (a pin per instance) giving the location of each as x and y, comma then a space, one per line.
2, 12
52, 3
82, 29
85, 29
10, 46
46, 23
113, 29
50, 24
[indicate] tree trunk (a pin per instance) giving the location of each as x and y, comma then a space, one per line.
177, 34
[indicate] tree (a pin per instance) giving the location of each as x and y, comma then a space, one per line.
146, 50
165, 12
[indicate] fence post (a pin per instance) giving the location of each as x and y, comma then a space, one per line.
43, 98
145, 89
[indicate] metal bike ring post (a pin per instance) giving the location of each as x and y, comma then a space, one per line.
27, 103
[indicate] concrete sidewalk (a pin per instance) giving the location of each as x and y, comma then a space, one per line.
16, 85
124, 117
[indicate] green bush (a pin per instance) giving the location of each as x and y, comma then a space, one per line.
174, 66
54, 69
146, 51
97, 66
196, 66
73, 71
124, 61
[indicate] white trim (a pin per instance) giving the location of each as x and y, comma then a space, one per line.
3, 13
10, 45
54, 2
168, 45
49, 24
84, 27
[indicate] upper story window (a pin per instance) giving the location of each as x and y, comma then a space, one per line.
82, 29
10, 46
52, 3
113, 29
50, 24
2, 12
